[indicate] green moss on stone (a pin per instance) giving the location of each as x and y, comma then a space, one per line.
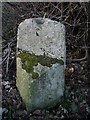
35, 75
31, 60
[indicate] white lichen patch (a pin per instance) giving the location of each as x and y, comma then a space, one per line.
40, 69
49, 39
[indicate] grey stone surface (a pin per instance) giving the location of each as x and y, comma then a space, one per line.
46, 39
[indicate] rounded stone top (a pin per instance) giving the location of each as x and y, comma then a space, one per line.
42, 37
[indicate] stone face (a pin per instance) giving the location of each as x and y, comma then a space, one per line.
40, 62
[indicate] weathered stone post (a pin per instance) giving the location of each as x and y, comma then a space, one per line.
41, 60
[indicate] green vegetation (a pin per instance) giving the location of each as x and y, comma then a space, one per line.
30, 60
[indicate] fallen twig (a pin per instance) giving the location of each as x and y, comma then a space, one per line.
81, 59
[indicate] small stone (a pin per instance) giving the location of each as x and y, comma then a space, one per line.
71, 70
58, 112
7, 86
6, 83
51, 116
62, 117
65, 111
88, 109
4, 110
37, 112
56, 117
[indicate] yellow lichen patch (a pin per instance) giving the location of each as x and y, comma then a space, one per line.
22, 82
